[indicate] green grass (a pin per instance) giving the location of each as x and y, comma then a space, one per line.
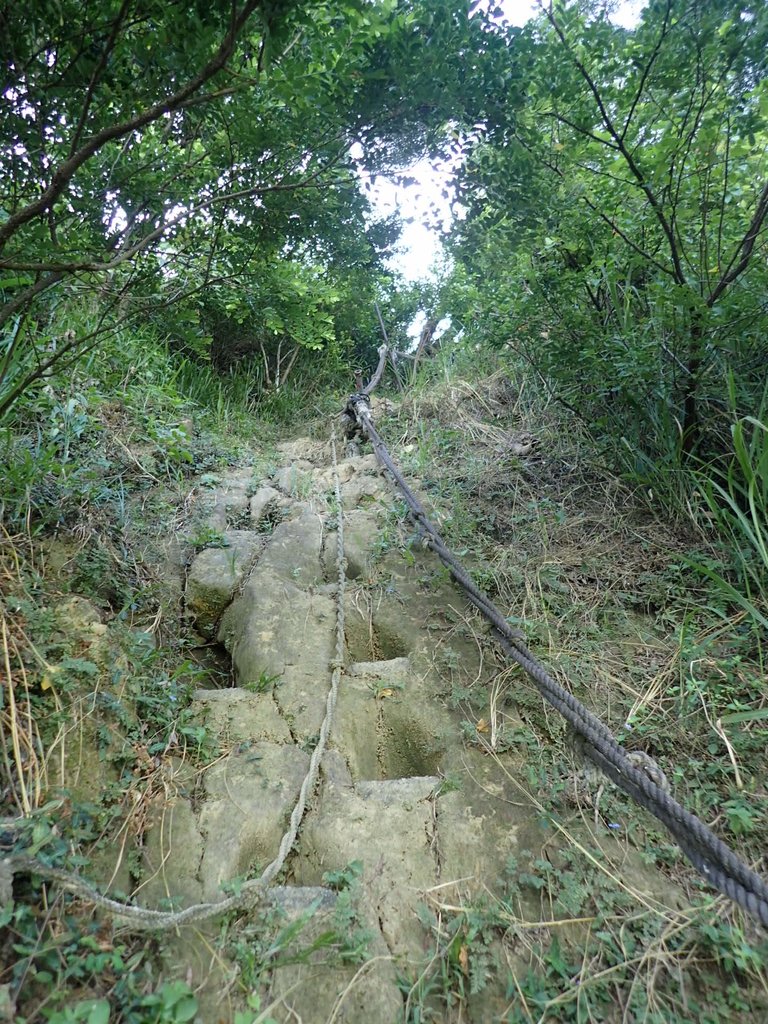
737, 502
97, 465
614, 598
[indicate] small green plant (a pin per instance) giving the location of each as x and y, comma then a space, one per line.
385, 689
173, 447
56, 957
344, 878
252, 1015
276, 941
69, 421
300, 484
263, 684
89, 1011
173, 1003
452, 782
356, 937
208, 537
738, 506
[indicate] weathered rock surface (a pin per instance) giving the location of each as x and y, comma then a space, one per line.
216, 573
387, 727
248, 799
234, 716
383, 803
281, 639
359, 527
293, 552
262, 502
313, 989
229, 502
294, 480
388, 827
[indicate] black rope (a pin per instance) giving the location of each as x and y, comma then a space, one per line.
711, 857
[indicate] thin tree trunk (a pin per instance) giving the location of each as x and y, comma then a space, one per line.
691, 424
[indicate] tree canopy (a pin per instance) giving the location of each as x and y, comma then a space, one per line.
157, 151
616, 225
200, 165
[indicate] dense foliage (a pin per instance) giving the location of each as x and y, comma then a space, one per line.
615, 233
196, 165
189, 262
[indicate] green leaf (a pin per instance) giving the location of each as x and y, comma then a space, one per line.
99, 1012
185, 1009
759, 714
20, 281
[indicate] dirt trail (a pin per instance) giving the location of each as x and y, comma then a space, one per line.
410, 810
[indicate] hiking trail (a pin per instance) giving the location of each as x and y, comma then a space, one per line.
410, 818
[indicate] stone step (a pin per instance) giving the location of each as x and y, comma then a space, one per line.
216, 573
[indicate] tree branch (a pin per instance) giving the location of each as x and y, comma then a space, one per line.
582, 131
97, 73
647, 70
7, 311
158, 232
743, 251
603, 216
66, 171
679, 274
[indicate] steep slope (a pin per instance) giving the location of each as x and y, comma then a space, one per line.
457, 861
412, 818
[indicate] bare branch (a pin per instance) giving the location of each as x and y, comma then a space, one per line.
743, 252
726, 168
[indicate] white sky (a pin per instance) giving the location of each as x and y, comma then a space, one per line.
420, 251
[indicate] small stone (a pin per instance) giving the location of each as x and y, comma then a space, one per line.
7, 1005
77, 613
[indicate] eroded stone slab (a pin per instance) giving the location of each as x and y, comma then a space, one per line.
249, 796
262, 502
317, 988
294, 550
229, 500
274, 626
173, 845
386, 725
389, 827
283, 638
215, 575
325, 479
394, 672
237, 715
364, 490
361, 531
